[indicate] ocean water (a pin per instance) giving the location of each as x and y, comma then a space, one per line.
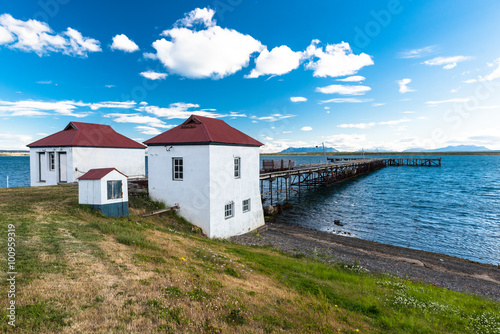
17, 169
453, 209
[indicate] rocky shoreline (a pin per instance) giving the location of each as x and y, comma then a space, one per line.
441, 270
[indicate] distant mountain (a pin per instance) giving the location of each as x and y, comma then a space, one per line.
457, 148
308, 149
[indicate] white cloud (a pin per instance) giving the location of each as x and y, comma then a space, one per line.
298, 99
41, 108
495, 74
279, 61
5, 36
152, 75
357, 125
408, 112
138, 119
469, 81
65, 108
112, 105
377, 104
403, 86
280, 145
14, 141
123, 43
417, 53
395, 122
372, 124
346, 100
335, 60
345, 142
343, 90
181, 110
448, 62
109, 86
45, 82
201, 16
485, 107
272, 117
148, 130
354, 78
213, 52
38, 37
306, 128
457, 100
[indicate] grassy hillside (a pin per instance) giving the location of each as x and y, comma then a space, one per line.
79, 271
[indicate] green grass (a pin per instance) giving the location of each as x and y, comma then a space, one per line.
394, 305
159, 274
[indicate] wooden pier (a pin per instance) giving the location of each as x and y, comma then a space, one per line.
281, 183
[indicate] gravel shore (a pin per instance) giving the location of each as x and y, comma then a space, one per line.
448, 272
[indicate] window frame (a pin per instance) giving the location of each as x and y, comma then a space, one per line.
229, 210
248, 205
177, 175
52, 161
114, 189
237, 167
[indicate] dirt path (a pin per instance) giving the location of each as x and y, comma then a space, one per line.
449, 272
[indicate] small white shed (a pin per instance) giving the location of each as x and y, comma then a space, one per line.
104, 189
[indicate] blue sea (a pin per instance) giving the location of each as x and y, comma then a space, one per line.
453, 209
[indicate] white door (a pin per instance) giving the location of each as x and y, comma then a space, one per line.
63, 172
42, 167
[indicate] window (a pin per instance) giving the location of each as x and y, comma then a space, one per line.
229, 210
177, 169
115, 189
237, 167
246, 205
52, 161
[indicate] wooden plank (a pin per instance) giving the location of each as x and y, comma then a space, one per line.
157, 212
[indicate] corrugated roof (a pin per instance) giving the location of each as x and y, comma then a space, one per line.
203, 130
88, 135
98, 173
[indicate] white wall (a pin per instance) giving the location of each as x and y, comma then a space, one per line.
130, 162
226, 188
51, 177
208, 185
192, 193
89, 192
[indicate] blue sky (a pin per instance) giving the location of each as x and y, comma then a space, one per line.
373, 75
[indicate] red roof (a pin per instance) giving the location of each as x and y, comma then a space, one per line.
98, 173
88, 135
203, 130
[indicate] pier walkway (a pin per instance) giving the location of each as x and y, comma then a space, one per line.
285, 181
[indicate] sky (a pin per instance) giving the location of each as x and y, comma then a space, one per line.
354, 75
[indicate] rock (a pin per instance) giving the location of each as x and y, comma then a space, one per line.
269, 210
337, 222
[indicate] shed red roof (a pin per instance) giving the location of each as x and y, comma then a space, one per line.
88, 135
98, 173
203, 130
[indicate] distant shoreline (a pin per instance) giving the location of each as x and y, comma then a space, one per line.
383, 154
14, 154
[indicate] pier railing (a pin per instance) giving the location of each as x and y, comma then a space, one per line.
286, 179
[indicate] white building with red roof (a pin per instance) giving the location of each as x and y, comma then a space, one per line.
211, 170
68, 154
